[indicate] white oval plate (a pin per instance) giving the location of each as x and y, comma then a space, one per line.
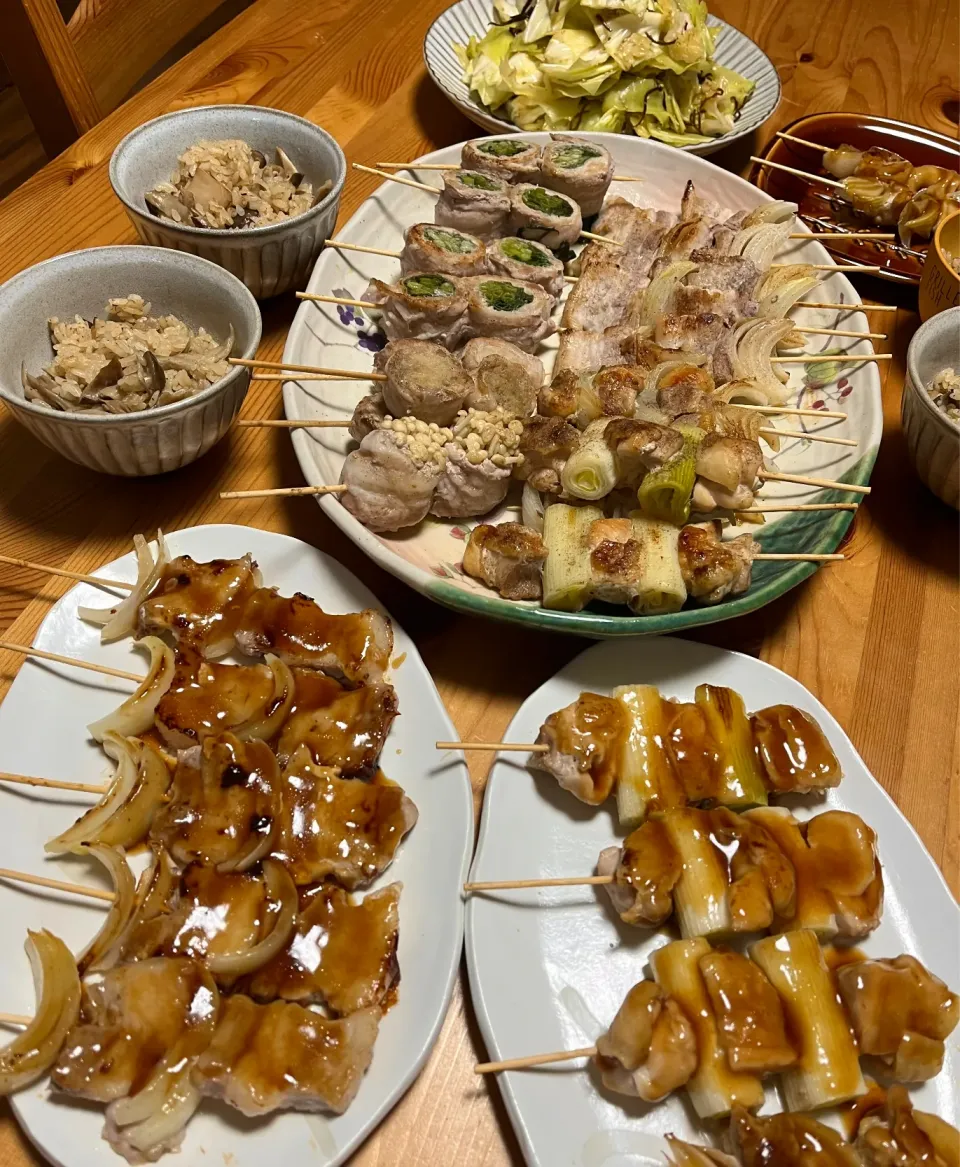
550, 967
428, 557
468, 18
43, 723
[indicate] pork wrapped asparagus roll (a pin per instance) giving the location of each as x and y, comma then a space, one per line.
507, 158
474, 202
429, 248
540, 214
523, 259
581, 170
422, 306
509, 309
423, 379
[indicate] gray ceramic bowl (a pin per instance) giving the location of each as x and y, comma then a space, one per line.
269, 259
933, 438
80, 283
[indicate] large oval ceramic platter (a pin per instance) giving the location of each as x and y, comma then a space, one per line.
550, 967
43, 723
428, 557
469, 18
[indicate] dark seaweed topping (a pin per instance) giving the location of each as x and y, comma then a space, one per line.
451, 241
539, 199
501, 148
572, 156
524, 251
503, 296
478, 181
427, 285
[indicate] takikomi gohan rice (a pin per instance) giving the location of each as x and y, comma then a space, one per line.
127, 361
230, 185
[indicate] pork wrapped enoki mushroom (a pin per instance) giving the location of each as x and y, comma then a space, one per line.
57, 986
503, 374
420, 306
136, 792
650, 1049
895, 1135
121, 619
223, 805
511, 159
525, 259
645, 871
423, 379
585, 739
510, 310
478, 463
540, 214
429, 248
788, 1140
727, 471
206, 698
713, 568
546, 444
581, 170
474, 202
508, 557
136, 714
391, 479
900, 1012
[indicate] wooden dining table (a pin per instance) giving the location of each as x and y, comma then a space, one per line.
876, 637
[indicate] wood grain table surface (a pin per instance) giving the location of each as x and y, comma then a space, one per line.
876, 638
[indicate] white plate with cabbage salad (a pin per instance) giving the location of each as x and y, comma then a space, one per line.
658, 69
550, 967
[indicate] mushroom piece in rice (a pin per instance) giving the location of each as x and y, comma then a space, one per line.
126, 361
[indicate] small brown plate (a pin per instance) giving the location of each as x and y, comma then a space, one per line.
822, 212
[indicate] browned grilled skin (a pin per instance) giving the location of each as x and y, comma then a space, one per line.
343, 956
508, 557
585, 740
684, 390
789, 1140
561, 398
705, 562
546, 444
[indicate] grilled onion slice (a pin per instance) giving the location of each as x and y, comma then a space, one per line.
57, 985
103, 950
136, 714
284, 906
123, 816
276, 711
121, 619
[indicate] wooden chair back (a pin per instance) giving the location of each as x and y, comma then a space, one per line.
70, 74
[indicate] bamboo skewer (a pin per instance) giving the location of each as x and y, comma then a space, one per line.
282, 423
283, 377
69, 660
77, 575
787, 411
315, 299
831, 182
846, 307
454, 166
283, 492
516, 747
93, 893
358, 247
802, 506
811, 437
285, 367
796, 557
816, 358
803, 141
52, 784
804, 480
435, 190
842, 332
535, 1060
819, 235
834, 266
15, 1019
515, 884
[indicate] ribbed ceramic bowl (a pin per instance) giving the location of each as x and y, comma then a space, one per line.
469, 18
80, 283
932, 438
940, 282
270, 259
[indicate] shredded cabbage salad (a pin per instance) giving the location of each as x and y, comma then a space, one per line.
641, 67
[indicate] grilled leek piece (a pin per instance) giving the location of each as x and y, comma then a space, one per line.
665, 493
647, 780
828, 1070
714, 1089
700, 895
590, 472
566, 573
661, 587
726, 717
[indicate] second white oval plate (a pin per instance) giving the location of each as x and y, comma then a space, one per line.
549, 968
43, 723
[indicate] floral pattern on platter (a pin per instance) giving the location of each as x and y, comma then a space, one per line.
369, 337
